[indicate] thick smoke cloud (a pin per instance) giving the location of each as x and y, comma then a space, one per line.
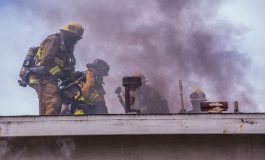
167, 40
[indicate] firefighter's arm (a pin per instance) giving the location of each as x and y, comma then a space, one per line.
89, 83
50, 60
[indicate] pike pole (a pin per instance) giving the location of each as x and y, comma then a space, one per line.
182, 109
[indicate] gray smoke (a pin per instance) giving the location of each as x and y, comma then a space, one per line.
67, 147
58, 148
4, 149
167, 40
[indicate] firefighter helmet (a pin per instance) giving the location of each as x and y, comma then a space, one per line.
139, 74
74, 28
100, 65
198, 95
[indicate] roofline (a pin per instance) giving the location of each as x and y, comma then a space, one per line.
131, 124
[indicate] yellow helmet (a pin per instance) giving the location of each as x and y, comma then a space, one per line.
74, 28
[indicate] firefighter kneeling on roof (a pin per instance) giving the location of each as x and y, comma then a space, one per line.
91, 98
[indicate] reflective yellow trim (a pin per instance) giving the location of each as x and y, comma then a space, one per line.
81, 98
77, 95
39, 54
55, 70
79, 112
93, 97
33, 81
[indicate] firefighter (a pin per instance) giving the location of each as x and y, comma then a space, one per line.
145, 99
196, 97
92, 100
54, 62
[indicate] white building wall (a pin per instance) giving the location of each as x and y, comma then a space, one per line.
134, 137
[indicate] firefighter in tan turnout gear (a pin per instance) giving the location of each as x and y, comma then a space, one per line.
92, 99
196, 98
145, 99
54, 62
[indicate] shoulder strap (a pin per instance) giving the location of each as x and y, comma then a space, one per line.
64, 48
62, 44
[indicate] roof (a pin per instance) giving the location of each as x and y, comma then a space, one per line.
129, 124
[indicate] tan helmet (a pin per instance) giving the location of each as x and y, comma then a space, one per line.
198, 95
74, 28
139, 74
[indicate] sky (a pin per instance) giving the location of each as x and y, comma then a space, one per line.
249, 14
241, 24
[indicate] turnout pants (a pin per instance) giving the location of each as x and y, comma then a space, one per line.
50, 101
